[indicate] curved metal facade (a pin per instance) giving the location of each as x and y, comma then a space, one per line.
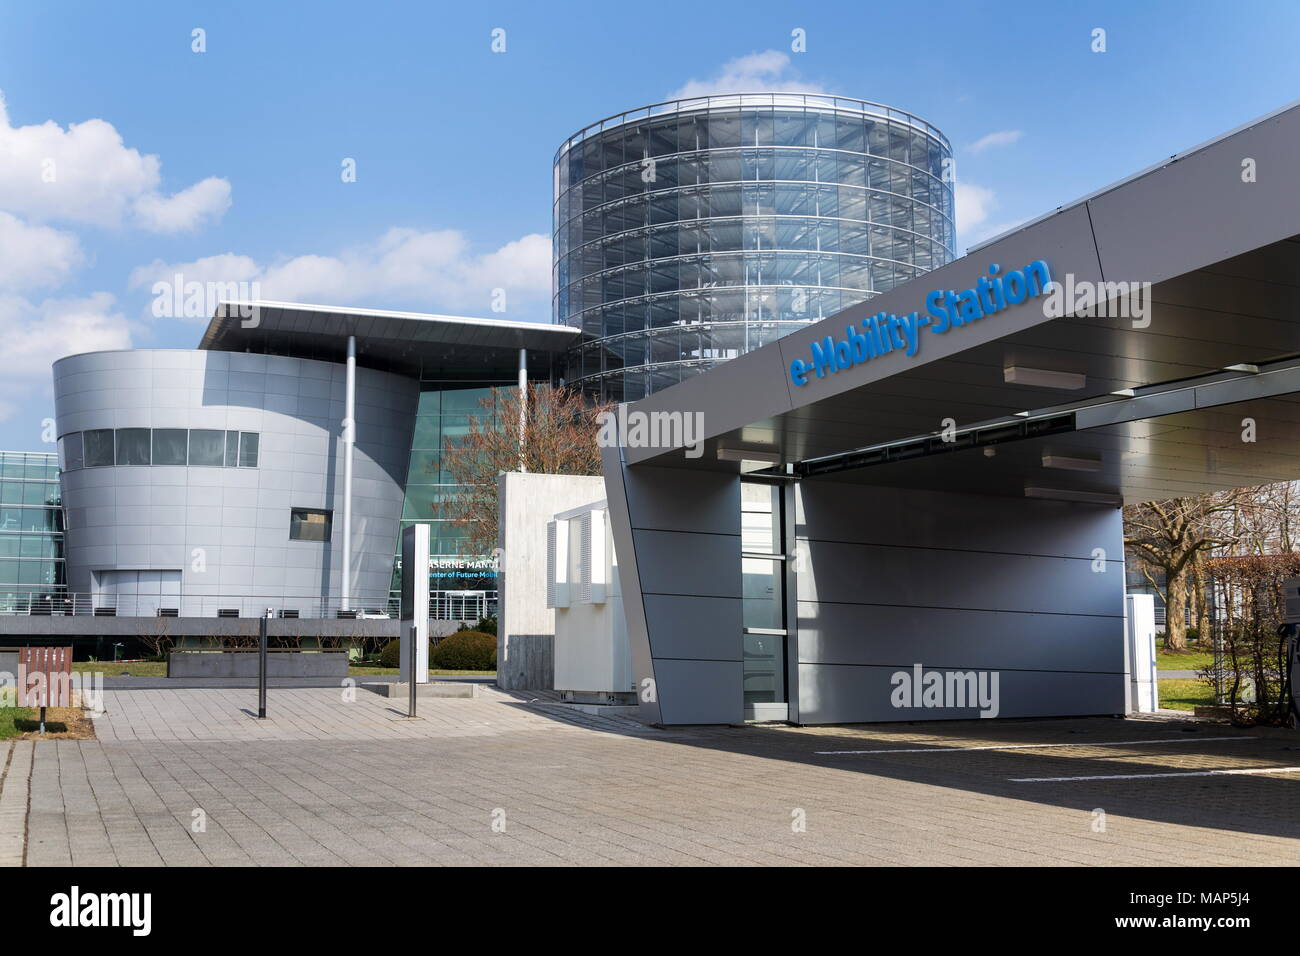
689, 232
174, 504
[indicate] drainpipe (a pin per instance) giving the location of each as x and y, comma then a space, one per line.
349, 439
523, 403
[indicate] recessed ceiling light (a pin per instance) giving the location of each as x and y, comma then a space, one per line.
749, 454
1043, 378
1069, 494
1068, 463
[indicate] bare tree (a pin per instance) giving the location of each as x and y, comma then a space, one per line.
559, 439
1169, 536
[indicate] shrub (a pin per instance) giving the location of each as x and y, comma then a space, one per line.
465, 651
391, 655
485, 625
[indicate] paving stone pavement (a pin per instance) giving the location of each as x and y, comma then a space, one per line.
189, 777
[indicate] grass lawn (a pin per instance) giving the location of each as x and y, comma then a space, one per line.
1177, 693
1192, 660
11, 717
13, 721
109, 669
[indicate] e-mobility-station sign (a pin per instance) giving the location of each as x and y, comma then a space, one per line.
946, 309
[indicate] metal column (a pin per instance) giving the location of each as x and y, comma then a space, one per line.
349, 439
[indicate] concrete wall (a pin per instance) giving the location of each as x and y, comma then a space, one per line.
155, 517
889, 578
246, 663
526, 626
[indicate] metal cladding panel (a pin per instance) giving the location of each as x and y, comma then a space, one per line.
1198, 210
694, 628
699, 503
958, 637
832, 511
681, 589
842, 694
977, 580
675, 562
629, 576
700, 692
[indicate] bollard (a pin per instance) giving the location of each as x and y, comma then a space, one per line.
261, 665
410, 670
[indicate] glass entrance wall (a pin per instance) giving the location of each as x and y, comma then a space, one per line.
448, 404
689, 232
762, 566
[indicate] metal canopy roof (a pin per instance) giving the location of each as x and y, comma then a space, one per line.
1223, 259
396, 341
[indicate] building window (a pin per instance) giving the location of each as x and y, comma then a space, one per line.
99, 447
306, 524
133, 446
169, 446
207, 447
159, 446
248, 449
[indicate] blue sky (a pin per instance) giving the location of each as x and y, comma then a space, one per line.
124, 154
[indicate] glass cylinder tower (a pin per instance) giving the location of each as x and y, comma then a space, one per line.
691, 231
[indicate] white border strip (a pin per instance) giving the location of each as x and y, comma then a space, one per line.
1105, 743
1153, 776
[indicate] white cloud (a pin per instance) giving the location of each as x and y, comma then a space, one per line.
208, 199
1005, 137
86, 174
33, 257
769, 70
407, 268
36, 335
974, 203
974, 206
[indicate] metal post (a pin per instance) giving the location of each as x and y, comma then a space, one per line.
261, 665
349, 439
523, 404
415, 640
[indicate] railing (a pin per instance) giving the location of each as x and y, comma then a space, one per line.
443, 605
462, 605
79, 604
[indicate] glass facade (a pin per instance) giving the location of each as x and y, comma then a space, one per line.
689, 232
31, 528
462, 583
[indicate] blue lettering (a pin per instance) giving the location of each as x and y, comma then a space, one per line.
824, 356
934, 305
